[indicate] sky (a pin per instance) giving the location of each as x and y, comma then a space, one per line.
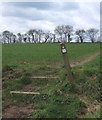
22, 16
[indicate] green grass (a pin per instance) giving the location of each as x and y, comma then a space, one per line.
60, 107
43, 53
89, 76
59, 97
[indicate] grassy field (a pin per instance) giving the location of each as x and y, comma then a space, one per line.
43, 53
59, 98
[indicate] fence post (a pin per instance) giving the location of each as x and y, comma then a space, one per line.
66, 61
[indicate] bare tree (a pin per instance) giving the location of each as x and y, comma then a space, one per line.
14, 38
53, 37
36, 36
67, 30
19, 37
40, 33
25, 37
7, 35
46, 36
81, 35
1, 38
92, 33
61, 33
58, 30
29, 38
32, 32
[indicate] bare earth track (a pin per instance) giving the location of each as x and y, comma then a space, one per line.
85, 60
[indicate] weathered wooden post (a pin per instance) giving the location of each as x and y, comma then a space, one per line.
66, 61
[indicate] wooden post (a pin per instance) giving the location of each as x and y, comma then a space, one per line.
66, 61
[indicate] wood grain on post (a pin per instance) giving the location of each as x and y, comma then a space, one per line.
66, 61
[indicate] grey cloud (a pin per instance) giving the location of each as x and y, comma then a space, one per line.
70, 6
50, 14
44, 5
32, 13
28, 13
37, 5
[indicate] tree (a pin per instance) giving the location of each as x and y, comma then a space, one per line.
81, 34
58, 30
7, 35
92, 33
14, 38
36, 36
19, 37
46, 36
25, 38
29, 38
53, 37
40, 33
1, 38
32, 32
67, 30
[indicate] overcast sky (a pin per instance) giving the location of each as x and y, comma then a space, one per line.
22, 16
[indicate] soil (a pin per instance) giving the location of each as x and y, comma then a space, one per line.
30, 88
85, 60
18, 112
74, 64
91, 108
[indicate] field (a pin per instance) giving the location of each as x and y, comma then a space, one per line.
59, 98
43, 53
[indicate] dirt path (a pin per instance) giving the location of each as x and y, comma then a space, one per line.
18, 112
85, 60
91, 108
76, 63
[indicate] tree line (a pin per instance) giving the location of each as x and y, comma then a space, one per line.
61, 33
